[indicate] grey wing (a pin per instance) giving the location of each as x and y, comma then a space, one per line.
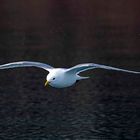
83, 67
26, 64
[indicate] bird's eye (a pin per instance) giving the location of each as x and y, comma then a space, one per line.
53, 78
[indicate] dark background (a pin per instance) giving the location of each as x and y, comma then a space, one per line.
64, 33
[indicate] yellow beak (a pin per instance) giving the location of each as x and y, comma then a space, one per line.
46, 83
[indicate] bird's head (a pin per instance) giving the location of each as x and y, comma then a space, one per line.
54, 78
51, 79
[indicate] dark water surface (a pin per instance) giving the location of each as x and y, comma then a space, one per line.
101, 108
62, 34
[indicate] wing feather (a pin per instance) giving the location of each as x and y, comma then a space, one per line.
87, 66
26, 64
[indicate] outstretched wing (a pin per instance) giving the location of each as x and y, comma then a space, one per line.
26, 64
83, 67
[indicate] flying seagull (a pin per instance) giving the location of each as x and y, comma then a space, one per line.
62, 77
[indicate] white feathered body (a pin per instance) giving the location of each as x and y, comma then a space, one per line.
62, 79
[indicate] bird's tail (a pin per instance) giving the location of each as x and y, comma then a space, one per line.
81, 77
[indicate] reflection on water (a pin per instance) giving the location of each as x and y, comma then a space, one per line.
104, 107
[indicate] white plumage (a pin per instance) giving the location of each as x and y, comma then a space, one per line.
62, 77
